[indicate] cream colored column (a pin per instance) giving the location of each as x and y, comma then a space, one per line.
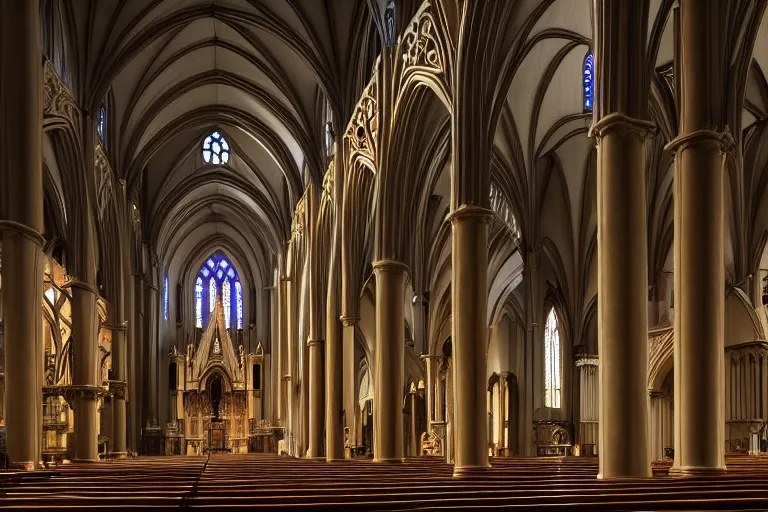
389, 360
22, 267
85, 375
316, 398
622, 295
334, 373
349, 325
414, 423
119, 365
429, 392
699, 244
470, 334
279, 367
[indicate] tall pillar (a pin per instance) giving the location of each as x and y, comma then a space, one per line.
623, 296
620, 130
289, 363
279, 366
22, 268
135, 377
85, 374
152, 316
470, 334
699, 245
316, 399
334, 370
389, 360
429, 392
349, 324
119, 364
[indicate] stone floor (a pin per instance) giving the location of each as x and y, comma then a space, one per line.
264, 481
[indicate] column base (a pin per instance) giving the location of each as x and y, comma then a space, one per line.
117, 455
469, 471
392, 460
21, 466
311, 457
688, 471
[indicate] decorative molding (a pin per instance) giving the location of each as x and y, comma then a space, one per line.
104, 180
587, 361
390, 265
363, 127
58, 100
420, 48
720, 138
622, 123
468, 210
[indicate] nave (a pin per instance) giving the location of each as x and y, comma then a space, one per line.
257, 481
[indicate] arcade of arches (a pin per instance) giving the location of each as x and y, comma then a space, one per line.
457, 229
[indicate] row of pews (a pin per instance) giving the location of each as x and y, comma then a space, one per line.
267, 481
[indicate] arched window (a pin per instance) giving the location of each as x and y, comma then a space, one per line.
101, 123
221, 277
215, 149
552, 366
589, 81
239, 303
199, 302
165, 297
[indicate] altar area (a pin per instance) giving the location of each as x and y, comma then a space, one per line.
215, 390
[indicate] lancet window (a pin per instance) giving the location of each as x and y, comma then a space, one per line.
589, 81
215, 149
552, 364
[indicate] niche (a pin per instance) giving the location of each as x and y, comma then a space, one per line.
256, 377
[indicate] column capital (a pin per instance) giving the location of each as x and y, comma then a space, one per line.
311, 342
348, 321
431, 356
390, 265
468, 210
587, 361
720, 138
623, 124
23, 230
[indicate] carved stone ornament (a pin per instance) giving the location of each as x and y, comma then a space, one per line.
104, 179
297, 226
362, 129
328, 183
420, 46
58, 100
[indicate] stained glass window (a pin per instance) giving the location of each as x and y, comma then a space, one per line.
101, 123
589, 81
552, 367
221, 276
226, 295
199, 302
211, 295
239, 303
165, 297
215, 149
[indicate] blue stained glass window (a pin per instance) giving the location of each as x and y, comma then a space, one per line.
165, 297
221, 276
589, 81
199, 302
239, 303
101, 123
211, 294
226, 293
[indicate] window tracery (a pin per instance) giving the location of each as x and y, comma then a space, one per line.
552, 366
221, 276
215, 149
588, 76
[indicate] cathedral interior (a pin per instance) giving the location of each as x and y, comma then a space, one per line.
384, 254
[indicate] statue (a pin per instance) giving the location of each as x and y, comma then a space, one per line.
389, 24
242, 356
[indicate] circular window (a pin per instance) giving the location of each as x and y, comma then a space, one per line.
215, 149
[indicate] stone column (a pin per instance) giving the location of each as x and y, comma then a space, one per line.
349, 324
699, 245
316, 399
289, 363
414, 423
389, 359
119, 365
22, 268
429, 392
85, 374
334, 369
588, 401
152, 316
622, 295
281, 350
470, 334
135, 376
